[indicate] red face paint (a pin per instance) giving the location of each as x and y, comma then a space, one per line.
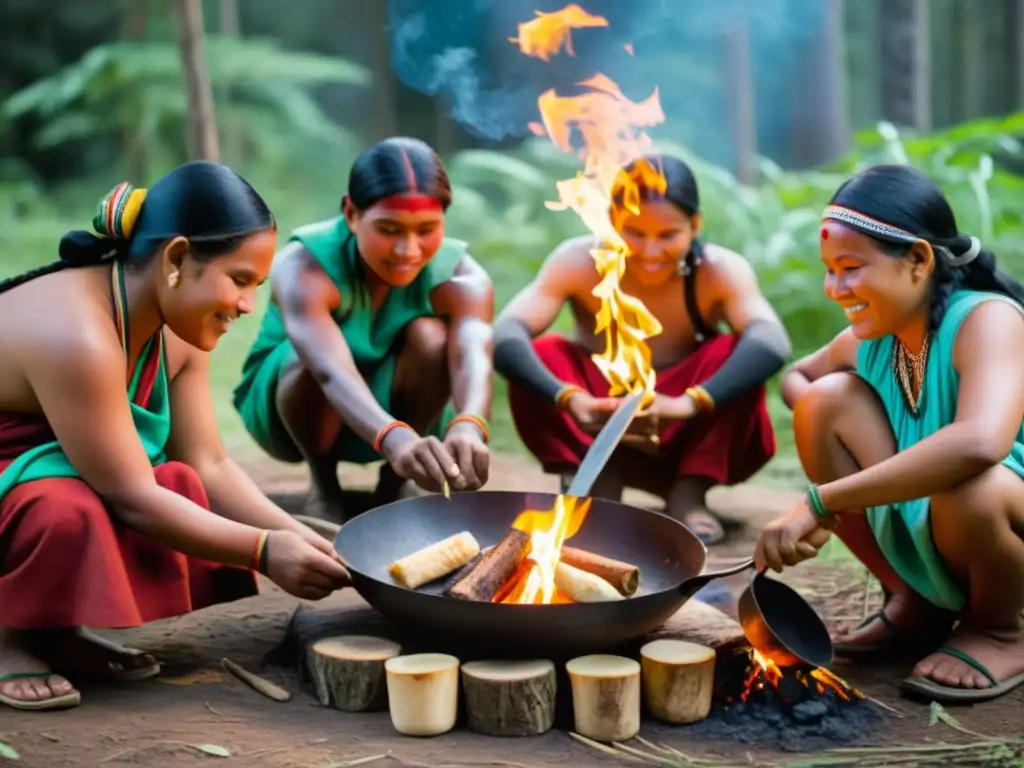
824, 234
412, 203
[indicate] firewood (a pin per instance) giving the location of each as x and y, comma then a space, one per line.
257, 683
605, 696
423, 693
435, 561
678, 679
509, 698
582, 587
348, 671
623, 576
483, 581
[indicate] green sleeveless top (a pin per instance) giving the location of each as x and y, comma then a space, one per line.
371, 336
903, 530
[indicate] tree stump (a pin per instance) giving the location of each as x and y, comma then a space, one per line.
678, 680
348, 671
605, 696
423, 693
510, 698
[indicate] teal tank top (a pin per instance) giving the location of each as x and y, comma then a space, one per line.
903, 530
372, 336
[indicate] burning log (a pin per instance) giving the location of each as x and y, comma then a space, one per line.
509, 698
423, 693
583, 587
678, 680
437, 560
483, 581
605, 697
348, 671
623, 576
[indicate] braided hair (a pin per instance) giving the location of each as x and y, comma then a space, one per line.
207, 203
896, 205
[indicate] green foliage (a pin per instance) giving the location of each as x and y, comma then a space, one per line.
135, 89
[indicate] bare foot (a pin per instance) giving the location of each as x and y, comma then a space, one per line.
23, 677
1000, 653
704, 525
905, 615
81, 652
324, 508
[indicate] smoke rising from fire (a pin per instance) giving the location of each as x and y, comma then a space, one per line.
459, 51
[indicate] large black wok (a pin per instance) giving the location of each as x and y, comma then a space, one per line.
671, 560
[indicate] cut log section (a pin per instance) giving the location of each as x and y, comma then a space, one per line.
678, 680
348, 671
623, 576
510, 698
483, 581
435, 561
605, 696
583, 587
423, 693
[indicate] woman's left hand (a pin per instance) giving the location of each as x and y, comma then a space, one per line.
466, 444
791, 539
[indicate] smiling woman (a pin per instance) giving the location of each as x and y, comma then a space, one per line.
377, 321
912, 421
118, 502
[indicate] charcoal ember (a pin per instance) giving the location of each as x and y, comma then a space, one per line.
792, 690
810, 711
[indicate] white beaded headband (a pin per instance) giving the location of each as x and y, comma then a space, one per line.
862, 221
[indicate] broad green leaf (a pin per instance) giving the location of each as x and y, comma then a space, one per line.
213, 749
8, 752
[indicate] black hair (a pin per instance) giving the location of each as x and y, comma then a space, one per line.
396, 166
207, 203
906, 198
680, 190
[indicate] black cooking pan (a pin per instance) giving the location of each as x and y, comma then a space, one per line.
671, 560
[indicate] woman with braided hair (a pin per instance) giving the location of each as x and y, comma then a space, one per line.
910, 425
110, 460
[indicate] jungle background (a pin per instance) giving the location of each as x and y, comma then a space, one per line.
773, 102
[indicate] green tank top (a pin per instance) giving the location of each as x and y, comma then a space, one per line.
371, 336
903, 530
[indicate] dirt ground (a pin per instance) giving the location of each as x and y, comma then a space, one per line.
162, 722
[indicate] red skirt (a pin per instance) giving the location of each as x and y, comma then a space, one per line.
727, 445
66, 562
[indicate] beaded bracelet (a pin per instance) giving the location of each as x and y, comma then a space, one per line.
385, 430
259, 553
815, 503
469, 418
701, 398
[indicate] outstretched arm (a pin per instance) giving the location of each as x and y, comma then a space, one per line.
468, 301
195, 440
989, 357
763, 345
531, 312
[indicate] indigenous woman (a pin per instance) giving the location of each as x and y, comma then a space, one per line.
910, 425
709, 424
377, 321
118, 502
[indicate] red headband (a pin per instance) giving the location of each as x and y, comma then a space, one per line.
412, 203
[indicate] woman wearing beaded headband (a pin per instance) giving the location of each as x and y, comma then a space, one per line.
377, 341
110, 460
911, 425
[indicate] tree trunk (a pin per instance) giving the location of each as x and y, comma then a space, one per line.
230, 26
202, 124
133, 27
739, 77
906, 57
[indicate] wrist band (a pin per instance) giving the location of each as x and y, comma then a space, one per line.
386, 430
469, 418
259, 553
701, 398
815, 503
565, 393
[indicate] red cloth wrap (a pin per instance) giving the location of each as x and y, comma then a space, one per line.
66, 562
727, 445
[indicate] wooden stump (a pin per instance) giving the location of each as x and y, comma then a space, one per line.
423, 693
605, 696
510, 698
348, 671
678, 680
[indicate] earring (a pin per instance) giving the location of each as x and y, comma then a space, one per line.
173, 280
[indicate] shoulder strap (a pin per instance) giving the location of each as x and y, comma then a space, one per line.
688, 269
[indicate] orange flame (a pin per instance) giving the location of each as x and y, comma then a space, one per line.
766, 672
611, 128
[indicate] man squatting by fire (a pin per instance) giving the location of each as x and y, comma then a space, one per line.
709, 423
